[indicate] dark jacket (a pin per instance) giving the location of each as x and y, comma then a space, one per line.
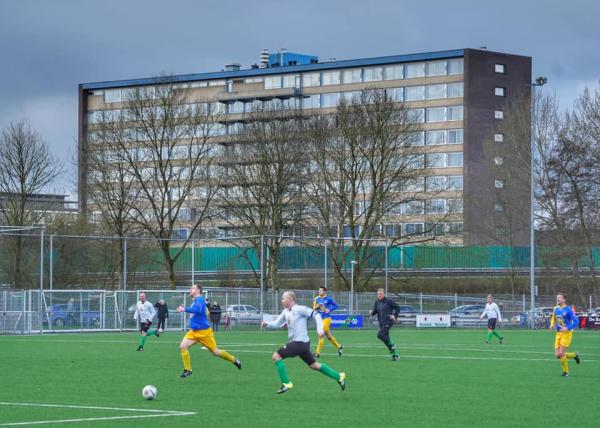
383, 309
215, 313
161, 310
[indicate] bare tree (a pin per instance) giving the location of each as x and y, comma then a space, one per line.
26, 168
262, 187
364, 166
163, 140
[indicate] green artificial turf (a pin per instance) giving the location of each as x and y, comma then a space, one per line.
444, 378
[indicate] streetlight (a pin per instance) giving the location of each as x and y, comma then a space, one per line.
352, 263
539, 81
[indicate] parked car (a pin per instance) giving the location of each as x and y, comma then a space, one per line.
467, 311
244, 314
58, 316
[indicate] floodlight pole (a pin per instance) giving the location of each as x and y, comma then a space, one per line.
41, 259
539, 81
352, 264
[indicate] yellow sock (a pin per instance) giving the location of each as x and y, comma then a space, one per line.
571, 354
185, 356
334, 342
227, 356
565, 364
320, 345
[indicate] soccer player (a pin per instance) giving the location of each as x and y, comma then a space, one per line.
295, 316
564, 321
324, 305
144, 312
200, 332
387, 311
492, 312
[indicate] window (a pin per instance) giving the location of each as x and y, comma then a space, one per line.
455, 159
455, 228
455, 182
435, 229
435, 160
352, 76
414, 93
395, 94
350, 96
415, 70
500, 68
311, 101
198, 84
331, 78
414, 228
311, 79
455, 113
435, 138
455, 206
413, 208
435, 92
436, 183
455, 90
216, 83
499, 160
498, 138
455, 136
498, 114
498, 207
394, 72
499, 184
273, 82
455, 66
290, 103
372, 74
437, 68
217, 108
417, 138
436, 206
436, 114
330, 100
500, 92
416, 115
392, 229
236, 107
415, 184
112, 96
291, 81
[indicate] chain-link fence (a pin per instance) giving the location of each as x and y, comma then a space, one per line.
24, 312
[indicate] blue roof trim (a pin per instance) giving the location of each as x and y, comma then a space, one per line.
252, 72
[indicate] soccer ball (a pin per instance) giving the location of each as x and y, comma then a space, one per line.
149, 392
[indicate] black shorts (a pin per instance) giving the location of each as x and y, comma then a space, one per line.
297, 349
145, 326
492, 323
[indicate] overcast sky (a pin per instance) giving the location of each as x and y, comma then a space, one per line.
48, 47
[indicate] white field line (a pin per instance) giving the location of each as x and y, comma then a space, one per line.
153, 413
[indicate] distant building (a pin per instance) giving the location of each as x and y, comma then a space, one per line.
459, 97
46, 205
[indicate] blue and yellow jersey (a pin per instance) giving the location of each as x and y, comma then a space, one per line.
199, 320
322, 303
563, 316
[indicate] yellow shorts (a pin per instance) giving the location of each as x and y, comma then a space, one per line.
326, 324
563, 338
203, 337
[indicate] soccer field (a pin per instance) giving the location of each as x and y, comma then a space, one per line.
444, 378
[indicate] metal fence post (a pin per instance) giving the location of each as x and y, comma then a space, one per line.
386, 266
262, 270
325, 256
50, 267
193, 261
421, 302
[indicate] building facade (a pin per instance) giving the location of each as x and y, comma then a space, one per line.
459, 97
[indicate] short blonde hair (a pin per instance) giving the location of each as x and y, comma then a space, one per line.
289, 294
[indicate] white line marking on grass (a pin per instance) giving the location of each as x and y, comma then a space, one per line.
154, 413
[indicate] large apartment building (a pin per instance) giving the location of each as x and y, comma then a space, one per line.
459, 97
